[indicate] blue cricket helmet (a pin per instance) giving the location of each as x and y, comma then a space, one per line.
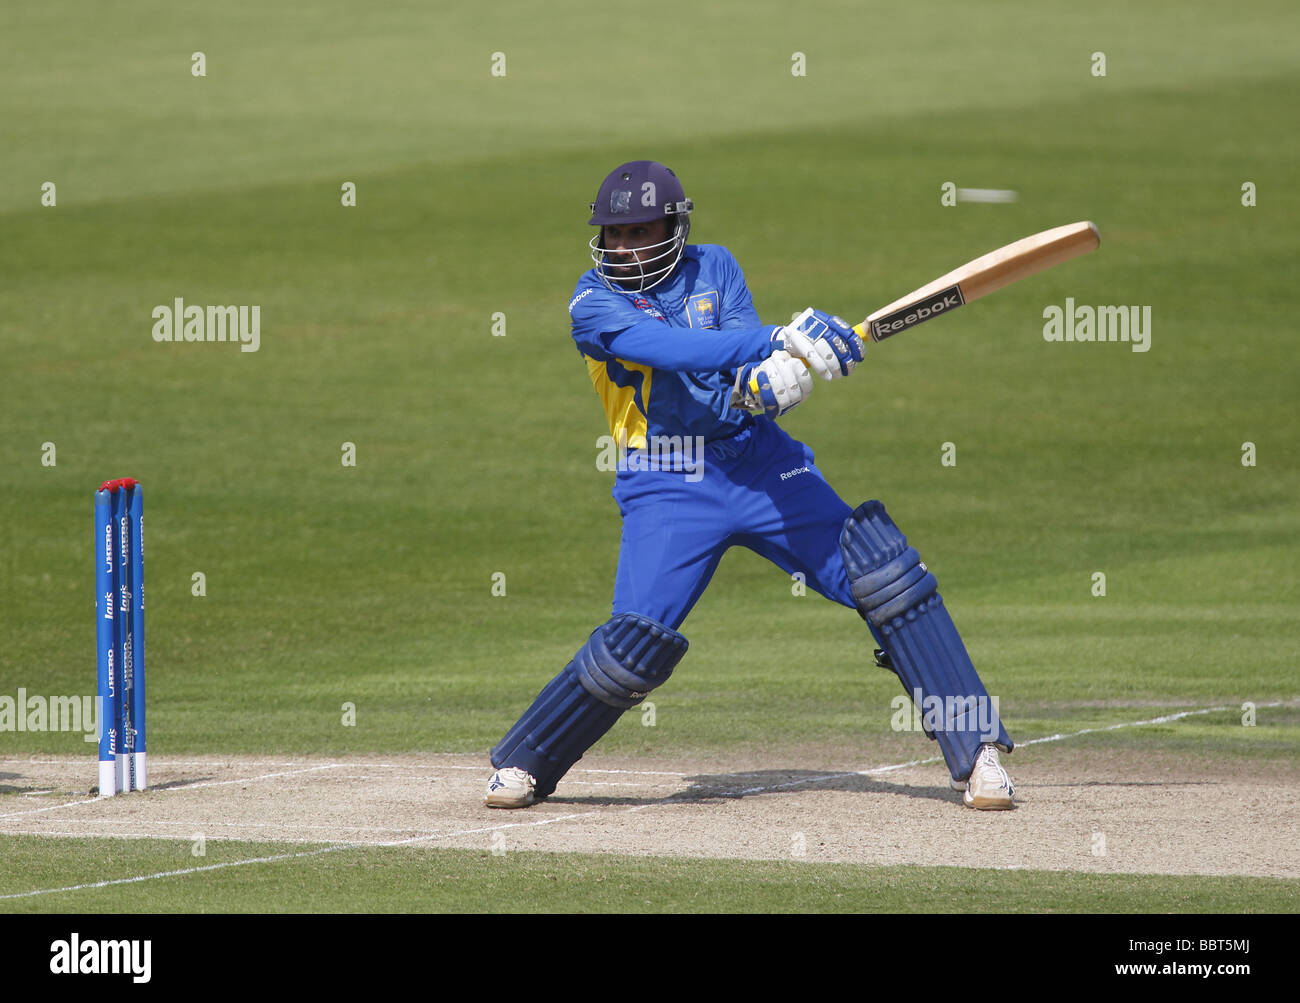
640, 191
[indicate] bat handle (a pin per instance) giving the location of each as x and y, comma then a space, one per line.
861, 331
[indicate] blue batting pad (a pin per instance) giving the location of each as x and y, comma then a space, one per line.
900, 600
622, 661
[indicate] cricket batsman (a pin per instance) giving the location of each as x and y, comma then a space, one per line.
692, 384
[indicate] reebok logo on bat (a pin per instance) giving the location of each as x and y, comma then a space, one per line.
913, 314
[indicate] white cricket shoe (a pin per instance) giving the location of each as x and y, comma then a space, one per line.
510, 788
989, 787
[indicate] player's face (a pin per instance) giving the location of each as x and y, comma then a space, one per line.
627, 243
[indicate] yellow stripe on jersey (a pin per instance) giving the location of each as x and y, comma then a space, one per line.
627, 419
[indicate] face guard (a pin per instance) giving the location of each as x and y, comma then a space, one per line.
639, 191
635, 271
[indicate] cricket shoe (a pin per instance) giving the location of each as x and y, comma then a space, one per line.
989, 787
510, 788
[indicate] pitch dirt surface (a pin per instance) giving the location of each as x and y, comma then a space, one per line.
1078, 811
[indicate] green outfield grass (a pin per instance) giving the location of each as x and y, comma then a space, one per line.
372, 584
315, 879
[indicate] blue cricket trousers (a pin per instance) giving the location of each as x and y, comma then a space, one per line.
760, 489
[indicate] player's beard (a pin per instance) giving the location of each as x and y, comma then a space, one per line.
640, 268
643, 268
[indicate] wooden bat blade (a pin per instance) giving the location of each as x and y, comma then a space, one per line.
975, 279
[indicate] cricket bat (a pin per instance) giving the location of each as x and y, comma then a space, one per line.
978, 278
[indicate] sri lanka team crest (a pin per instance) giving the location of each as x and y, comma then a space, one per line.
702, 310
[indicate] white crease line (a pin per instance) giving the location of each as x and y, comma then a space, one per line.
289, 856
567, 781
48, 807
387, 776
228, 783
197, 826
606, 783
415, 768
490, 828
210, 836
216, 761
416, 774
420, 778
245, 780
208, 763
837, 776
168, 790
640, 773
173, 874
1132, 724
938, 759
727, 792
486, 769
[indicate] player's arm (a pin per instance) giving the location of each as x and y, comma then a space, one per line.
654, 343
607, 326
826, 344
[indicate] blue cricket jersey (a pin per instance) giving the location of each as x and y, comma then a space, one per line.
663, 361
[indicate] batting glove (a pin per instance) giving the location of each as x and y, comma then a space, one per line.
829, 346
774, 386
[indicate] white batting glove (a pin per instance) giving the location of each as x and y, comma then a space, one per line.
827, 344
775, 385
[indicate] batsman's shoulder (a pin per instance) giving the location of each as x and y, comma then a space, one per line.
595, 310
709, 252
718, 262
590, 294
